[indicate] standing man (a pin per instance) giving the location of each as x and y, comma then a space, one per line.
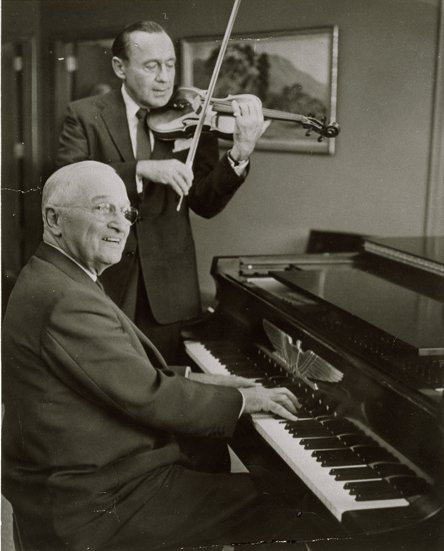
156, 282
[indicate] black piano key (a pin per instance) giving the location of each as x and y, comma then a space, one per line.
303, 423
336, 458
306, 428
275, 381
321, 443
340, 426
354, 473
315, 432
378, 496
390, 469
311, 405
371, 454
373, 486
372, 490
230, 355
296, 389
223, 348
356, 438
303, 414
408, 486
240, 363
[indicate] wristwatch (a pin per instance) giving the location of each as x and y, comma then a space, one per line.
234, 161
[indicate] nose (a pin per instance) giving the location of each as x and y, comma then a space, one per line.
162, 73
119, 222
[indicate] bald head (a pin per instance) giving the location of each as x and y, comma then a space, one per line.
67, 184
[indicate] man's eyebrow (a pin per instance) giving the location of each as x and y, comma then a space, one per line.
159, 59
100, 197
105, 198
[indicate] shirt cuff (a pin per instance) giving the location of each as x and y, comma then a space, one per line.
139, 184
243, 405
238, 166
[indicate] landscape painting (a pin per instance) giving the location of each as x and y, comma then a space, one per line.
291, 72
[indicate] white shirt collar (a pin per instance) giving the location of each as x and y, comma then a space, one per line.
131, 106
92, 275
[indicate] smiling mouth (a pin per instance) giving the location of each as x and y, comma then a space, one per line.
112, 240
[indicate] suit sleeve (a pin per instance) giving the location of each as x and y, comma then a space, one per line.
215, 181
81, 140
85, 345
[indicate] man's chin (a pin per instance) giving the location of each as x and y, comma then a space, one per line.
108, 262
159, 101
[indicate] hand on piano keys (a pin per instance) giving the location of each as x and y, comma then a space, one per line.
257, 399
280, 401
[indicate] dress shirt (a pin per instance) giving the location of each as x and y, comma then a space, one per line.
131, 115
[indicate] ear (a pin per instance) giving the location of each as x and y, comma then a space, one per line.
52, 221
119, 67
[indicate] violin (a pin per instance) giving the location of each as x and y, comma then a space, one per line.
180, 117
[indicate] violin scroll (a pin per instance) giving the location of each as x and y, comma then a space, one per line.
321, 127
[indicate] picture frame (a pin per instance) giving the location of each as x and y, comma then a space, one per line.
290, 71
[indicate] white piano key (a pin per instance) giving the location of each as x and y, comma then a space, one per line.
204, 359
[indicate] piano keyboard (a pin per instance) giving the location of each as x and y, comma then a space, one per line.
345, 468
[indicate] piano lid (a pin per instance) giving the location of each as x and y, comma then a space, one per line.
409, 316
426, 253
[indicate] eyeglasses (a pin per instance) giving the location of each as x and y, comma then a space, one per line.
108, 211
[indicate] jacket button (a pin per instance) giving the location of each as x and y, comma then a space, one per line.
130, 253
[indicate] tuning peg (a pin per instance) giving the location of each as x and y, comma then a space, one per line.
308, 133
320, 139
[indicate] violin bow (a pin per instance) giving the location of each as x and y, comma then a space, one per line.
211, 87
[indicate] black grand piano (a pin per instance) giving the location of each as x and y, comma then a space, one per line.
359, 338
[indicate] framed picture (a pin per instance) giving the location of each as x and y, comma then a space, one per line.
292, 72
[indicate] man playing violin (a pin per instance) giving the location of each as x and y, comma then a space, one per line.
156, 282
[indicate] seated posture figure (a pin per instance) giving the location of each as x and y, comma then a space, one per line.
97, 428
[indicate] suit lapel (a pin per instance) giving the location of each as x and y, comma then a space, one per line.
114, 117
66, 265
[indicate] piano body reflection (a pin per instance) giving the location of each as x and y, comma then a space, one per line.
359, 338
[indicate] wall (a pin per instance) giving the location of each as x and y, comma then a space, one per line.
376, 181
20, 140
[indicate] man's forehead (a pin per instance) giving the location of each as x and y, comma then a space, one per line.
155, 44
101, 183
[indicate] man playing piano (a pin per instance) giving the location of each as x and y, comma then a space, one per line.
95, 420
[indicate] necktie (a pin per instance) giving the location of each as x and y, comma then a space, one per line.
143, 148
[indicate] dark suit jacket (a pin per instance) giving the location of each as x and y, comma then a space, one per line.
96, 128
86, 411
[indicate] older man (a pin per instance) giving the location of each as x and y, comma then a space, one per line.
94, 420
156, 282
